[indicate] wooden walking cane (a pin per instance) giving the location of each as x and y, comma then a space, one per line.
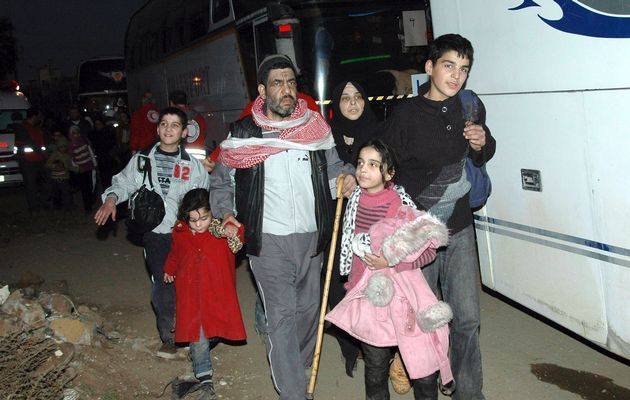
322, 313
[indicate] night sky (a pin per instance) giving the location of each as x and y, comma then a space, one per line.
64, 32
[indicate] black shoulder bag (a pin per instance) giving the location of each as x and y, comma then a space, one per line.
146, 206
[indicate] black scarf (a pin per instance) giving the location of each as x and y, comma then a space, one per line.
358, 132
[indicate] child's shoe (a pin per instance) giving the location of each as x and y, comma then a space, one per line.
180, 388
398, 375
203, 391
167, 351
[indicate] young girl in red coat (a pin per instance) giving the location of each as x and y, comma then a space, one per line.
201, 263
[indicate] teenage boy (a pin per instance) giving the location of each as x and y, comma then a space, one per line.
174, 173
432, 139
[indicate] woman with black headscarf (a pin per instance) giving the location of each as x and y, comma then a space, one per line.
353, 123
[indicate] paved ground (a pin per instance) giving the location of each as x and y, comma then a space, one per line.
523, 357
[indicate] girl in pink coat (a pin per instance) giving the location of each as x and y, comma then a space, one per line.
388, 303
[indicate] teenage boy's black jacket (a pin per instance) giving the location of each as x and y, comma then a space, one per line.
428, 135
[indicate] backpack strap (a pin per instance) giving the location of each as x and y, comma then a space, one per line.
469, 100
183, 153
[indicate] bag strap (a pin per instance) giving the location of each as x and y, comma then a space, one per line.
144, 165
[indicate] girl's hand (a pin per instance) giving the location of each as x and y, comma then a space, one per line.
230, 225
375, 262
168, 278
231, 230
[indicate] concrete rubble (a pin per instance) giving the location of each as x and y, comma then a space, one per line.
50, 325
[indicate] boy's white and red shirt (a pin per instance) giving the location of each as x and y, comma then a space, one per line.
188, 173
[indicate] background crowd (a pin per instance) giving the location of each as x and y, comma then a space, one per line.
67, 161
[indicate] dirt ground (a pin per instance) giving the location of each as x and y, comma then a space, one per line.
523, 357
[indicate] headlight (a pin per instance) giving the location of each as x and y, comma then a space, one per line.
28, 149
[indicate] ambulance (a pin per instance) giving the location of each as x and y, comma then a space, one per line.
13, 106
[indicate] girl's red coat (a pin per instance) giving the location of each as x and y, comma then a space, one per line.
205, 286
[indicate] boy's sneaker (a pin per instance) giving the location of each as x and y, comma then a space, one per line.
168, 351
203, 391
180, 388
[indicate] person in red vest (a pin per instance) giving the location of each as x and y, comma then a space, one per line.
195, 140
29, 139
143, 126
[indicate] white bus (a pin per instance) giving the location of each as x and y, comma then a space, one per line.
555, 234
211, 48
102, 86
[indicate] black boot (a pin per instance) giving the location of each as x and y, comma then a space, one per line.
426, 388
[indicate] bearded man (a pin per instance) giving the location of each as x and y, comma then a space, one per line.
277, 173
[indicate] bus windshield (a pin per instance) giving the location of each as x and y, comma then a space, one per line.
372, 46
102, 75
102, 86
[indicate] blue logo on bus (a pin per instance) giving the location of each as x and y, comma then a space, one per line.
594, 20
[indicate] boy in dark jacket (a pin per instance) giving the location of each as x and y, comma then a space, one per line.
432, 139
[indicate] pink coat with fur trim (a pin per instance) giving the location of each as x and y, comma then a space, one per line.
395, 324
409, 236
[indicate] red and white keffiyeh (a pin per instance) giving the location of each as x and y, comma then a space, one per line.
302, 130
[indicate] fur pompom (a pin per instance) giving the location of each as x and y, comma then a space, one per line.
379, 289
361, 244
434, 316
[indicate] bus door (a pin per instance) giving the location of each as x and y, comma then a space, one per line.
251, 47
274, 30
286, 33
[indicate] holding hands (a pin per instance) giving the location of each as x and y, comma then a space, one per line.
230, 225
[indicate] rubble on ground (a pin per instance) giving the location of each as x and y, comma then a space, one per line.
40, 333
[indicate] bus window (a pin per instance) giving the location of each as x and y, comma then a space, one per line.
247, 51
198, 16
264, 46
221, 13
